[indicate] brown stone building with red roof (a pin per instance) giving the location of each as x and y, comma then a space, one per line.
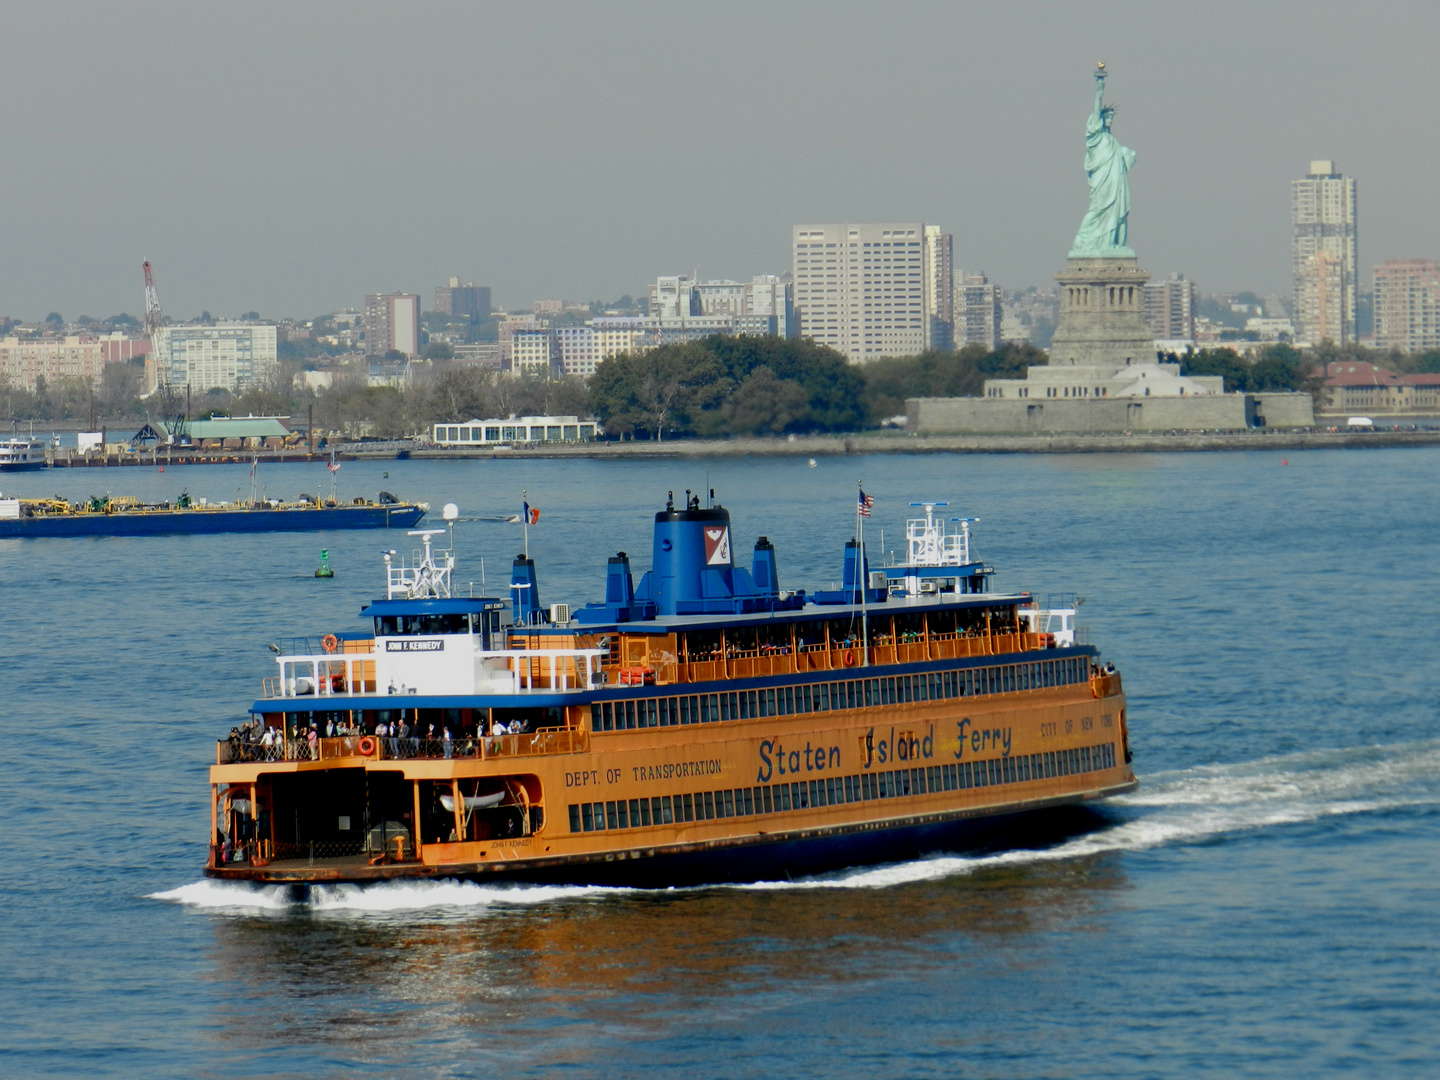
1354, 386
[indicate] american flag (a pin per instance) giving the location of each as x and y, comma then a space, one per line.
864, 505
334, 466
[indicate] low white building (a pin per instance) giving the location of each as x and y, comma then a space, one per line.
517, 429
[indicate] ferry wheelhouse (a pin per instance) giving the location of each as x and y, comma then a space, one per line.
703, 725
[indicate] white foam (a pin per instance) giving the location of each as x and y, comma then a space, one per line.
391, 896
228, 895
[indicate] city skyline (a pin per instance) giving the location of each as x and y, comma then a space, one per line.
971, 114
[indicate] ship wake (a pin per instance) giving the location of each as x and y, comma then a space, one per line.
1199, 805
1193, 805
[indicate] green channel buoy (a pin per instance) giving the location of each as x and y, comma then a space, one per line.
324, 570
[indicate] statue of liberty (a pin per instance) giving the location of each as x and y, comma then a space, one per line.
1104, 231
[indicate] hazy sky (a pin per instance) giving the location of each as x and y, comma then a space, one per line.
291, 157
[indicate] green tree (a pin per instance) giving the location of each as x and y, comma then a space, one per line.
439, 350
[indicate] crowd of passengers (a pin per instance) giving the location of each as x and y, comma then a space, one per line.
254, 740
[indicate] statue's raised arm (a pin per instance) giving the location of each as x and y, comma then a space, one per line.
1104, 231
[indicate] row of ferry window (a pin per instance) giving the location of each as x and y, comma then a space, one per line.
836, 790
827, 697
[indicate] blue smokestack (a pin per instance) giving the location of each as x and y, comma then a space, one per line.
764, 570
619, 585
525, 592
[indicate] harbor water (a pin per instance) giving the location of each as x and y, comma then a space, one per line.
1264, 906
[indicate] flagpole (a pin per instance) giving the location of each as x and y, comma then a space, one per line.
860, 576
525, 518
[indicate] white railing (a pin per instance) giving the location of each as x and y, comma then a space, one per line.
1058, 622
507, 671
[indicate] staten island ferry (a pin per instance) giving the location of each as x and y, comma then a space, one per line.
704, 725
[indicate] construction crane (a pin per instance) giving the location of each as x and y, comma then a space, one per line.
154, 323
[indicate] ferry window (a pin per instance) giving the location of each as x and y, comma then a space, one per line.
610, 818
622, 809
687, 807
599, 816
685, 710
981, 774
587, 817
386, 626
715, 707
1084, 759
750, 800
767, 803
709, 805
751, 700
782, 797
816, 793
829, 789
662, 707
726, 706
643, 817
884, 784
666, 811
849, 789
596, 718
788, 708
574, 817
799, 797
803, 702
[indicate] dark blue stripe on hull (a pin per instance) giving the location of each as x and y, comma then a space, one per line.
781, 860
215, 521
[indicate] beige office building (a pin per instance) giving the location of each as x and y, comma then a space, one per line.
1407, 305
23, 361
860, 289
1323, 213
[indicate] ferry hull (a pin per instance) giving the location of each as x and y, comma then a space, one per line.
166, 522
747, 859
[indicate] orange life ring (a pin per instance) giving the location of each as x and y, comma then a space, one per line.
849, 658
329, 642
366, 746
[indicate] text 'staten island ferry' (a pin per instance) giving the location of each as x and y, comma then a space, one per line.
704, 726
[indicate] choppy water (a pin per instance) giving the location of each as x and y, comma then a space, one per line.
1265, 905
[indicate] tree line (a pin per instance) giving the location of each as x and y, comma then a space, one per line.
715, 387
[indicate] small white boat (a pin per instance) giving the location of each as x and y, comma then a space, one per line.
473, 802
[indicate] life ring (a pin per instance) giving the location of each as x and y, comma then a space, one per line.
365, 747
849, 658
329, 642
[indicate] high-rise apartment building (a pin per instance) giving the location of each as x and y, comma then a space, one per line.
1170, 308
1407, 305
468, 300
392, 321
978, 312
939, 288
1323, 212
227, 356
25, 361
1321, 312
860, 289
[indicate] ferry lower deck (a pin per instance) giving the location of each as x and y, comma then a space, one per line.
668, 785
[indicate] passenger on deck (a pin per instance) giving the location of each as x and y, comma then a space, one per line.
312, 739
449, 745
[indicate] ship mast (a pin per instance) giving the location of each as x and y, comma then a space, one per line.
860, 574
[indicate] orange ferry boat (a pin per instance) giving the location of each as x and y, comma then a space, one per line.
704, 726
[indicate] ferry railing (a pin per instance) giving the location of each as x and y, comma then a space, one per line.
505, 671
407, 747
840, 655
1105, 684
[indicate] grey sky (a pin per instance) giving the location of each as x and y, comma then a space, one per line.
292, 157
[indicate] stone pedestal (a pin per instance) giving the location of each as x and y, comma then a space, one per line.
1102, 315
